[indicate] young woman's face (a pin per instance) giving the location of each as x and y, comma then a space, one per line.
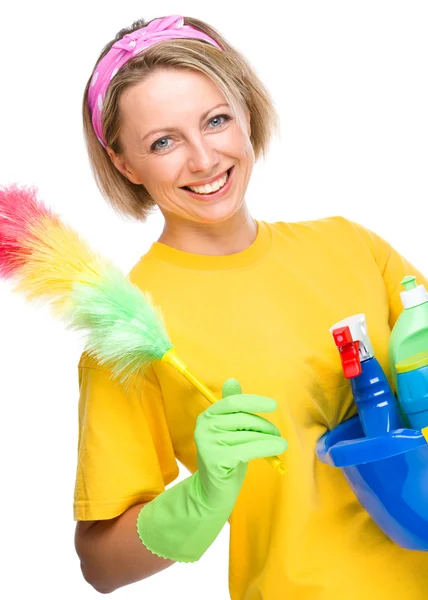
178, 131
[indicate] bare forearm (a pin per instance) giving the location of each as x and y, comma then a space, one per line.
112, 555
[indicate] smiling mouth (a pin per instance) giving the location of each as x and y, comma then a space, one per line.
186, 187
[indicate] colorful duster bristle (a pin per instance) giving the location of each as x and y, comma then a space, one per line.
20, 213
51, 263
38, 250
125, 330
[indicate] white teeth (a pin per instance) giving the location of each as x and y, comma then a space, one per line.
210, 187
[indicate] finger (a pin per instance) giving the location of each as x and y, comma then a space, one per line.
242, 422
248, 437
242, 403
231, 387
257, 448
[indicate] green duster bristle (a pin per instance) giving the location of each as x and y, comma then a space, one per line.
125, 330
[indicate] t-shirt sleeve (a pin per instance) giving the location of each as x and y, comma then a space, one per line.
125, 453
393, 266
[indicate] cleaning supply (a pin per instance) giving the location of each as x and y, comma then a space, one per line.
183, 521
124, 330
388, 474
385, 464
376, 403
412, 381
409, 335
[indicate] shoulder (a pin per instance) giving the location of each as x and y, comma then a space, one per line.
139, 269
331, 227
88, 361
147, 272
334, 234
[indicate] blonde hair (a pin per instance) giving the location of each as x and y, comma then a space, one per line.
226, 68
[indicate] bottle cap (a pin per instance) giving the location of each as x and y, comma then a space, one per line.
413, 294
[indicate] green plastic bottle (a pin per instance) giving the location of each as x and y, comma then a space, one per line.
410, 332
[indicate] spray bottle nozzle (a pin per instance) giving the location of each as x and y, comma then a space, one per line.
349, 351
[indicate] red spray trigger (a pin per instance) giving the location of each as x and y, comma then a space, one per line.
349, 352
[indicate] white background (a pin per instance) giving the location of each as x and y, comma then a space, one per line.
349, 80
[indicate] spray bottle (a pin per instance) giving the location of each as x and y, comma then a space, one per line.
375, 400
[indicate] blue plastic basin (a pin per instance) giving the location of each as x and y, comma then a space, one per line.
389, 476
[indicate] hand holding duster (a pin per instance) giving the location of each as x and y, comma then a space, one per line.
183, 521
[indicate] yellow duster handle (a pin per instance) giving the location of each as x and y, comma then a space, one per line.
172, 359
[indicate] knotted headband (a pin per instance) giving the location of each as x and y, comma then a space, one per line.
158, 30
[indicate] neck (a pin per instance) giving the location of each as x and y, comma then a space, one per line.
211, 239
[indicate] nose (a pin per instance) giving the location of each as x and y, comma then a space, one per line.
202, 155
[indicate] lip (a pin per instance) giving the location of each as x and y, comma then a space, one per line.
218, 194
206, 181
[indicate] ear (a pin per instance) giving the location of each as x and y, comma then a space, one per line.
121, 165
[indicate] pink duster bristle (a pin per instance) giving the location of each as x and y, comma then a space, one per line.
19, 210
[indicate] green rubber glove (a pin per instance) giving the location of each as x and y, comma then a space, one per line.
182, 522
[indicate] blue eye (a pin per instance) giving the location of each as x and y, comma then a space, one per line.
156, 147
226, 117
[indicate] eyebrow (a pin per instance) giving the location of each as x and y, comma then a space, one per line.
169, 129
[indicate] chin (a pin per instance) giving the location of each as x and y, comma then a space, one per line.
219, 213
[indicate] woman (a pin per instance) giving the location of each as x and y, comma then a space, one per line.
175, 119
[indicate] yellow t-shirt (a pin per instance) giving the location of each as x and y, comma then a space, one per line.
263, 316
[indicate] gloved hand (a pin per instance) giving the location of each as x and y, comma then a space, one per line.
183, 521
227, 436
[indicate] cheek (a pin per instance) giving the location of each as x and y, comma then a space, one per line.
160, 173
241, 143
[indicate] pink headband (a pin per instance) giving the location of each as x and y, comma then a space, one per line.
158, 30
